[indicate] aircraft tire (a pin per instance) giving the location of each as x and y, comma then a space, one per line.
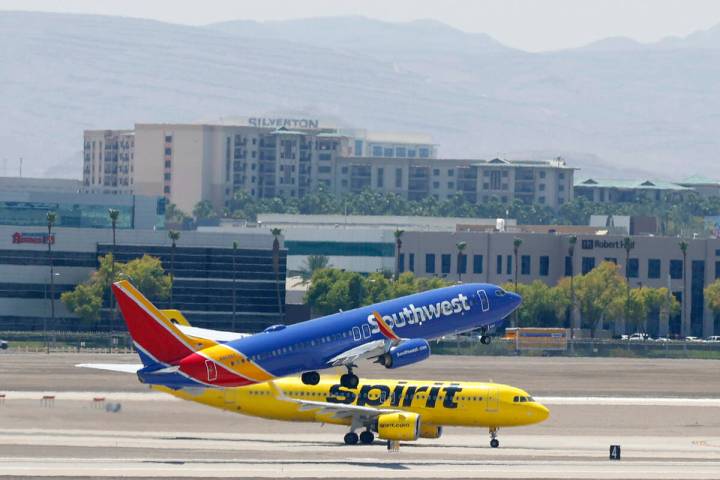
494, 443
367, 437
485, 339
349, 380
311, 378
351, 438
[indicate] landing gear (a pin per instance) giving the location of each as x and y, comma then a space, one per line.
367, 437
494, 442
485, 339
311, 378
349, 380
351, 438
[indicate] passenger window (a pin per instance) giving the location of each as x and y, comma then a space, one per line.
516, 399
356, 333
366, 330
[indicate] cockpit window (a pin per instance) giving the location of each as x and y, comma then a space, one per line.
499, 292
522, 399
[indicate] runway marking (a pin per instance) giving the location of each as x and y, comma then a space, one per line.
549, 400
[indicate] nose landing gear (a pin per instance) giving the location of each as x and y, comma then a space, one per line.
494, 442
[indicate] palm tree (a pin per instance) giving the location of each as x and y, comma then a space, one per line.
516, 246
276, 232
174, 236
51, 218
572, 241
113, 214
460, 249
398, 247
684, 328
234, 284
312, 264
628, 245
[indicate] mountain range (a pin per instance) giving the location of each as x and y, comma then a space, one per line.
612, 108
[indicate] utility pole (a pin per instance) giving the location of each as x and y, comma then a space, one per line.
51, 217
234, 285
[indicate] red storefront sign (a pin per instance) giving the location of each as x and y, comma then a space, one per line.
23, 237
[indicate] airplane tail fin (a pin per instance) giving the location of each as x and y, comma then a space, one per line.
156, 337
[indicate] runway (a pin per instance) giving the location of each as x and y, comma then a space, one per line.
154, 435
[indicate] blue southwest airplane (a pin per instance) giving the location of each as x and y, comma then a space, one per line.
394, 333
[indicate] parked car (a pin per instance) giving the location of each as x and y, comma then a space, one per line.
3, 345
693, 339
713, 339
638, 337
662, 339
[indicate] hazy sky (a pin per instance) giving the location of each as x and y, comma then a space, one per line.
532, 25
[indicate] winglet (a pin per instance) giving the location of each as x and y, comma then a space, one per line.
385, 328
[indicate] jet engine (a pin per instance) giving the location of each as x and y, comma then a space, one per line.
430, 431
407, 352
399, 426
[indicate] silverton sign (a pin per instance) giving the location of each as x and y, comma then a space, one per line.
269, 122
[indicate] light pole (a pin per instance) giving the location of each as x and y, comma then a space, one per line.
51, 218
628, 246
516, 246
684, 328
174, 236
113, 214
571, 253
276, 232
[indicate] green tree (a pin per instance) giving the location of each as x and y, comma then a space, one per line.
174, 215
204, 210
146, 273
542, 305
311, 264
599, 295
712, 297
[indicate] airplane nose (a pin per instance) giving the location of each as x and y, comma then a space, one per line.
541, 412
515, 299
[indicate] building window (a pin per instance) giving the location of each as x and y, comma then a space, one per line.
508, 264
168, 151
541, 200
541, 187
633, 267
568, 266
166, 189
451, 173
436, 184
451, 185
525, 265
544, 266
168, 138
411, 262
388, 152
676, 269
344, 170
324, 157
430, 263
398, 178
561, 188
498, 269
588, 263
358, 148
611, 260
323, 169
436, 172
168, 163
400, 152
717, 270
377, 151
424, 152
477, 264
401, 262
411, 153
445, 263
380, 177
462, 263
654, 268
542, 174
167, 177
561, 176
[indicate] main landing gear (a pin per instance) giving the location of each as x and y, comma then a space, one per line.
484, 337
494, 442
349, 380
366, 438
311, 378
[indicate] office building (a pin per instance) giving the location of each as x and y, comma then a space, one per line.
204, 276
614, 191
654, 262
289, 158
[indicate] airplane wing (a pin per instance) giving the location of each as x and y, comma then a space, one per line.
360, 415
219, 336
113, 367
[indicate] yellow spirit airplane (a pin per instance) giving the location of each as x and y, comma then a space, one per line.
395, 410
